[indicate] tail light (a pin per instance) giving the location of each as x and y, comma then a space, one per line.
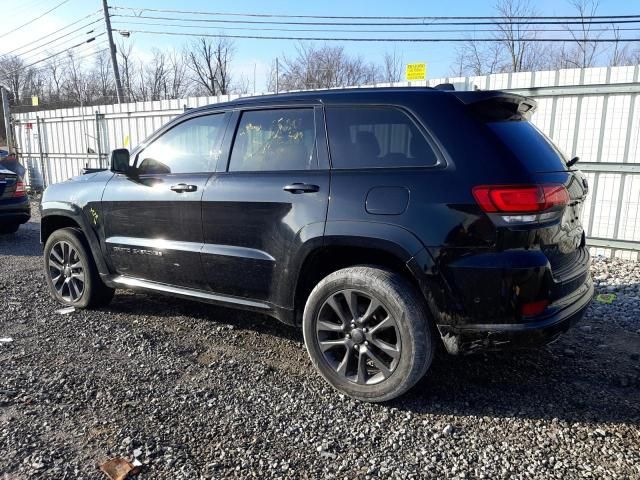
520, 198
20, 190
522, 204
534, 308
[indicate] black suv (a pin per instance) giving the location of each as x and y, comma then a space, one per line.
384, 222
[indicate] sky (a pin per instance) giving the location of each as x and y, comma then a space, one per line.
257, 55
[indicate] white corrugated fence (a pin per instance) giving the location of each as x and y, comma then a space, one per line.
593, 113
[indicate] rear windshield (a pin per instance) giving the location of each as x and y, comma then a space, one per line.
530, 145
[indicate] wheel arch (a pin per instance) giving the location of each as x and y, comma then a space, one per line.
346, 244
57, 215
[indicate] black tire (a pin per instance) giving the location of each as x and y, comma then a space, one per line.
9, 228
63, 282
401, 318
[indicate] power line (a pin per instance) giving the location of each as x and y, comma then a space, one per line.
33, 20
369, 17
385, 24
324, 30
56, 31
60, 38
24, 67
22, 8
63, 44
403, 40
96, 52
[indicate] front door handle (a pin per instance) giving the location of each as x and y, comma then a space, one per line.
301, 188
183, 187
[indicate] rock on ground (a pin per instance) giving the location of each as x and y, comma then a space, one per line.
194, 391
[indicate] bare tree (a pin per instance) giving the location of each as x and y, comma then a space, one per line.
392, 66
14, 74
177, 84
582, 51
210, 61
126, 64
155, 76
76, 84
518, 40
473, 58
621, 53
54, 71
104, 75
242, 86
325, 67
515, 48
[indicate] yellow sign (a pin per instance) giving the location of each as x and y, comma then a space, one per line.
416, 71
34, 101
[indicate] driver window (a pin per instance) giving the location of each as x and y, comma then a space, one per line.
192, 146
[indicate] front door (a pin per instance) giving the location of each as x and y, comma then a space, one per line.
270, 199
153, 219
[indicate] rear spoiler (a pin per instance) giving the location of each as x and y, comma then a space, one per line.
492, 106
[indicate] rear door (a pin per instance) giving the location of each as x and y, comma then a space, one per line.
269, 198
153, 220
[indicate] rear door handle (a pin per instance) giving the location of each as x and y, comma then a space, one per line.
301, 188
183, 187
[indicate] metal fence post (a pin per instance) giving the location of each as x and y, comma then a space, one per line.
98, 142
42, 168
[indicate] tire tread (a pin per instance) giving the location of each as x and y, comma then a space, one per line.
414, 307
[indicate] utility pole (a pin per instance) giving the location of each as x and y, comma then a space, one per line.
7, 115
112, 47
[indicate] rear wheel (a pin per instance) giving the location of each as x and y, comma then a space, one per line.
9, 228
367, 332
71, 273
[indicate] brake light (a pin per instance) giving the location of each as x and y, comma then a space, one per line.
534, 308
20, 190
520, 198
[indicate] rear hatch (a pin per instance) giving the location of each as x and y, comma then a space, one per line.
8, 181
506, 116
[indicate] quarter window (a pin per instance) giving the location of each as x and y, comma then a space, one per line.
192, 146
280, 139
374, 137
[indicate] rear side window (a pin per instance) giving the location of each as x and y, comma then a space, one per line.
268, 140
376, 137
536, 152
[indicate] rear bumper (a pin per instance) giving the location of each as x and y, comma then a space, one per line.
15, 210
535, 331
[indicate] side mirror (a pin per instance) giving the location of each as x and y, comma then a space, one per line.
119, 160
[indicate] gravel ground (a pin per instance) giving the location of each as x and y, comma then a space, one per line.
195, 391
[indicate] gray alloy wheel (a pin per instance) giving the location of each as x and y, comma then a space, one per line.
368, 333
358, 337
66, 271
71, 273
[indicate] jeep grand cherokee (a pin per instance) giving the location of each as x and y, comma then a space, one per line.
384, 222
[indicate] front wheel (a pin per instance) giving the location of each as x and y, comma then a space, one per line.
367, 332
71, 274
